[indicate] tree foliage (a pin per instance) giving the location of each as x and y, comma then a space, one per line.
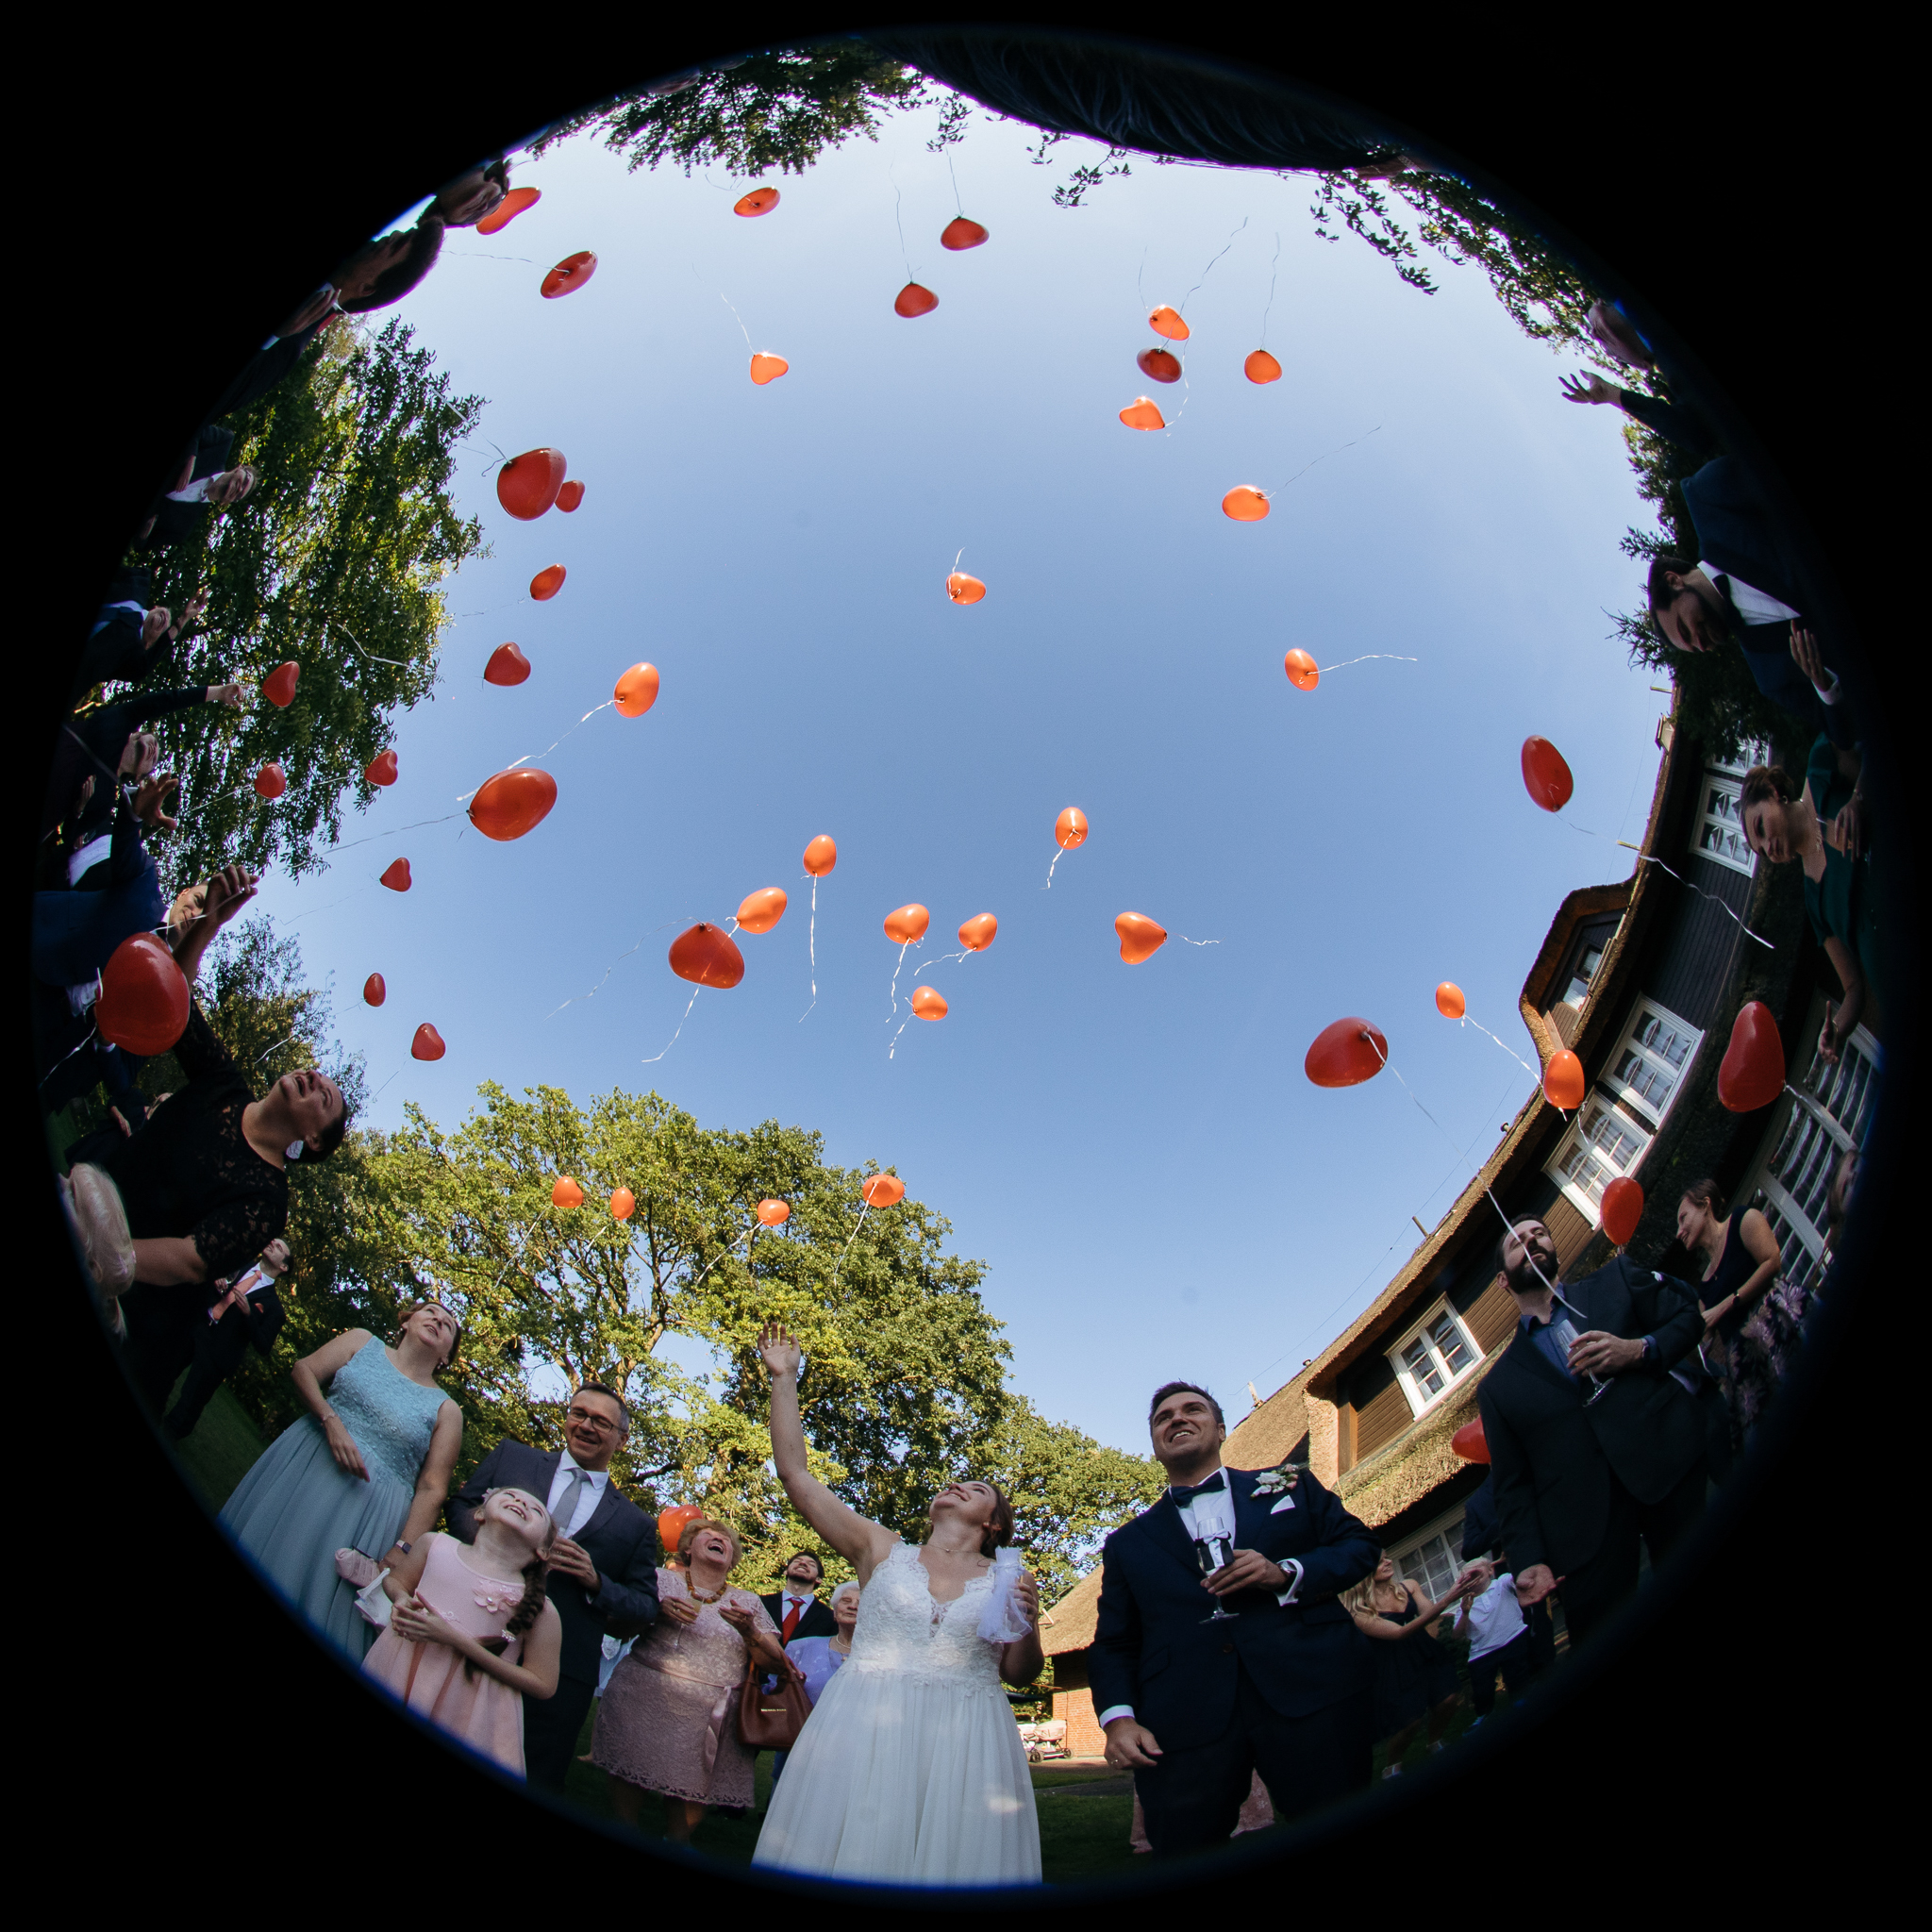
335, 559
777, 110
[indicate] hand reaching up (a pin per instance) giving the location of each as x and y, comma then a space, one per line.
153, 795
778, 1349
1588, 388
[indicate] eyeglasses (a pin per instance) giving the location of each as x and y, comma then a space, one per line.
603, 1424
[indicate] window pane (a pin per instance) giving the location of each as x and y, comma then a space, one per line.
1419, 1363
1448, 1338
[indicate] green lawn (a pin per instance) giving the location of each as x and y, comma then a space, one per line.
222, 1449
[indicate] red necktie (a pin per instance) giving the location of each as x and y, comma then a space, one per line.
792, 1608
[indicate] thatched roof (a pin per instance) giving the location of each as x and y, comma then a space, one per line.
1069, 1624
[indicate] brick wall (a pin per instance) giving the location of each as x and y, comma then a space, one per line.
1085, 1738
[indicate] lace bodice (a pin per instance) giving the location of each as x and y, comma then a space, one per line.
390, 1417
901, 1628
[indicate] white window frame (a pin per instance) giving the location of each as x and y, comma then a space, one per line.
1818, 1119
1449, 1527
1420, 1402
1717, 833
1627, 1041
1596, 1104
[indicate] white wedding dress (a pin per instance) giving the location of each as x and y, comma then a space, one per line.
910, 1769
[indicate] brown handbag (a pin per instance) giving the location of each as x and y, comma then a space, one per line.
771, 1720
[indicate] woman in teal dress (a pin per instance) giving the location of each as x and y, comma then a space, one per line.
366, 1468
1823, 827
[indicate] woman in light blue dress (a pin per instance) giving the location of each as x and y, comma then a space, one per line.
368, 1468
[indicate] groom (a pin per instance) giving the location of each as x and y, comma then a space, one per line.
1195, 1708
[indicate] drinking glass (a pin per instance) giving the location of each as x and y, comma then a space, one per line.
1212, 1553
1567, 1338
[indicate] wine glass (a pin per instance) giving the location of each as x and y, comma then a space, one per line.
1212, 1553
1567, 1338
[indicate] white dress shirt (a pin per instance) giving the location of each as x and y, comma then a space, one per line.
1759, 606
1203, 1516
587, 1497
789, 1596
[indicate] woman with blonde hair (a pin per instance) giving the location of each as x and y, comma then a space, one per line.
1415, 1677
666, 1723
366, 1469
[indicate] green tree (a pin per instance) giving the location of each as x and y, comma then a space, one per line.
778, 110
336, 560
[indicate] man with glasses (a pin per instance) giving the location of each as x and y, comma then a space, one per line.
603, 1566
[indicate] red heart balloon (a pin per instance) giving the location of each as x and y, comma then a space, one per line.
507, 665
142, 1006
1622, 1210
427, 1044
374, 991
381, 770
512, 803
961, 233
706, 956
397, 877
546, 583
1470, 1443
1753, 1070
914, 300
526, 486
570, 496
278, 686
1546, 774
569, 275
271, 781
1346, 1053
1160, 365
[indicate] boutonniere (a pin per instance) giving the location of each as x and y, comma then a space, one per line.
1277, 1481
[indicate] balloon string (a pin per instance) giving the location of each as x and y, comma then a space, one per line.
1308, 466
349, 844
1181, 307
1048, 886
741, 330
897, 217
1647, 860
812, 943
895, 981
610, 969
1322, 671
550, 748
902, 1025
865, 1208
1509, 1050
931, 964
716, 1259
1197, 942
672, 1041
402, 662
1273, 275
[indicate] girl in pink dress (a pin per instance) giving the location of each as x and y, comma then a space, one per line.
472, 1634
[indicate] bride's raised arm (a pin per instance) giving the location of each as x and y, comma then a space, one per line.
862, 1542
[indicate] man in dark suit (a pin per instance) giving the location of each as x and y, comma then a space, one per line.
1592, 1442
603, 1567
1194, 1706
795, 1607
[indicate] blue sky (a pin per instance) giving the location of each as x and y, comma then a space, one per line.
1134, 1151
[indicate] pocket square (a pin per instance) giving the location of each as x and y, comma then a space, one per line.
1286, 1502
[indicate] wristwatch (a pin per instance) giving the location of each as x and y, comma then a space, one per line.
400, 1544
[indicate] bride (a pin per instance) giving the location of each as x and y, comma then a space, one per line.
911, 1768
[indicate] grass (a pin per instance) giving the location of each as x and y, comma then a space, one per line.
222, 1449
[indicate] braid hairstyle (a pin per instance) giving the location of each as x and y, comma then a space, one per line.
523, 1618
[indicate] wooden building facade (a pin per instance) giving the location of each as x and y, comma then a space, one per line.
1642, 980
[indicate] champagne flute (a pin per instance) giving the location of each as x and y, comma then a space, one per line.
1212, 1553
1567, 1338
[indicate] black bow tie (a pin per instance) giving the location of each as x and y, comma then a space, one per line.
1184, 1494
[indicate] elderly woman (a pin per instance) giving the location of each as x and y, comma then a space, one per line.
819, 1657
1821, 825
667, 1719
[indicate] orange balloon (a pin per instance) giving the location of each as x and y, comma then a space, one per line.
820, 855
271, 781
760, 201
704, 955
882, 1190
1070, 828
278, 686
772, 1213
766, 369
637, 691
1141, 937
762, 910
672, 1523
980, 932
564, 1192
546, 583
1563, 1081
1449, 1001
1167, 322
397, 877
142, 1004
569, 275
507, 665
1301, 670
1470, 1443
928, 1004
1159, 365
512, 803
1622, 1210
508, 208
961, 233
1546, 774
381, 769
962, 589
1346, 1053
1245, 504
1261, 367
570, 496
526, 486
427, 1044
914, 300
908, 924
1143, 413
374, 991
624, 1203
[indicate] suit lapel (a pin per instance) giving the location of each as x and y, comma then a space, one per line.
1164, 1525
1249, 1517
599, 1517
1535, 1362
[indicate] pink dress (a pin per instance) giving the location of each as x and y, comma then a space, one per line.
668, 1719
473, 1707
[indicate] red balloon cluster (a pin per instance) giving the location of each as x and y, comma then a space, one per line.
1346, 1053
569, 275
142, 1004
526, 486
706, 956
512, 803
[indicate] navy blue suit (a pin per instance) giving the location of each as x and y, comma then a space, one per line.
1282, 1688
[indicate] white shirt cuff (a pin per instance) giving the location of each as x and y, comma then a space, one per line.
1829, 694
1294, 1580
1114, 1710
